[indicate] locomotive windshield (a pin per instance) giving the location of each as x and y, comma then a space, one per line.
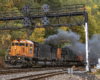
12, 44
26, 44
18, 44
21, 44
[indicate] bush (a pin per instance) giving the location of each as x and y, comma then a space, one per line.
2, 52
1, 62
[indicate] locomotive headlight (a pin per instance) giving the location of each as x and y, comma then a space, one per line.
18, 57
8, 57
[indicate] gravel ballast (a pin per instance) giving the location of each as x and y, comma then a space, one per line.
78, 75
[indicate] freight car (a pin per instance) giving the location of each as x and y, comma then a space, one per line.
26, 53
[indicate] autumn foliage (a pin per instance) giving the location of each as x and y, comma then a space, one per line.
39, 34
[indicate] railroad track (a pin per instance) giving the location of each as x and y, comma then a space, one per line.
37, 73
41, 76
19, 70
10, 71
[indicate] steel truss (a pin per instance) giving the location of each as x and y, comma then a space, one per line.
69, 15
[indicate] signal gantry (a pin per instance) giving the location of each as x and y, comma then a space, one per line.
46, 16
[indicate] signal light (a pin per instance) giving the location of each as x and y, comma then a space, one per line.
8, 57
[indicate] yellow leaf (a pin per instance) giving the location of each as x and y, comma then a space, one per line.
88, 9
95, 6
98, 13
38, 35
64, 28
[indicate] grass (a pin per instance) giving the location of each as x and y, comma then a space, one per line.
98, 72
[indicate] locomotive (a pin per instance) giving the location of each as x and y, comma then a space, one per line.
26, 53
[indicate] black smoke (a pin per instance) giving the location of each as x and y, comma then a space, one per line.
76, 46
62, 35
66, 36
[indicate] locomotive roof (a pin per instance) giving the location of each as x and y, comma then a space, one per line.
29, 41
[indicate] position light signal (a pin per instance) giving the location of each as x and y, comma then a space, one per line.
26, 21
45, 8
26, 8
45, 21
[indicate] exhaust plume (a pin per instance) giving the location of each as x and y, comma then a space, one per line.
62, 35
76, 46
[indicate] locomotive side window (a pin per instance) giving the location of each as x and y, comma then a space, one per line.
30, 48
26, 44
16, 44
21, 44
12, 44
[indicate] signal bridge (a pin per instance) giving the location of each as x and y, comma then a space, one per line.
45, 16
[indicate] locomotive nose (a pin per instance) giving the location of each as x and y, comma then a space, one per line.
18, 51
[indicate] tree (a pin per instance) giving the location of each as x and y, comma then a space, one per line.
93, 27
32, 3
6, 4
51, 2
64, 28
38, 35
95, 6
50, 31
18, 34
68, 2
18, 3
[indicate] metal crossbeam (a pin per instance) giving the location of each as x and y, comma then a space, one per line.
69, 15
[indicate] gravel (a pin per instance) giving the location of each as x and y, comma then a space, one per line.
65, 77
77, 75
16, 75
